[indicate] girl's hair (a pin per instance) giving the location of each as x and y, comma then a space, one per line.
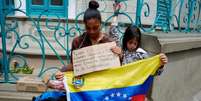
130, 33
92, 11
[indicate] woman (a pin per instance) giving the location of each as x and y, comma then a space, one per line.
92, 35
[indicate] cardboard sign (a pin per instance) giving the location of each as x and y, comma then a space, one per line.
94, 58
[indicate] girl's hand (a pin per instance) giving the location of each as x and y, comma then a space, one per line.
116, 7
117, 50
59, 76
163, 58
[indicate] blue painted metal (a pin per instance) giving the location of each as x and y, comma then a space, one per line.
1, 60
163, 14
3, 37
35, 9
138, 12
188, 16
9, 6
191, 4
47, 8
198, 21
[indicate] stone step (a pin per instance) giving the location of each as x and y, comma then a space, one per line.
8, 93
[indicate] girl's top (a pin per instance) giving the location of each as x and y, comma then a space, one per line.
129, 57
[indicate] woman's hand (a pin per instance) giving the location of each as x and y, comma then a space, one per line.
59, 76
163, 58
117, 50
56, 84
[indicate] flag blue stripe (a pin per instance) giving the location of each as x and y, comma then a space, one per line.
115, 94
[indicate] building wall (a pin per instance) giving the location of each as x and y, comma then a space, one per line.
181, 78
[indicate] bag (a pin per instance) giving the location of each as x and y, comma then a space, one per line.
51, 96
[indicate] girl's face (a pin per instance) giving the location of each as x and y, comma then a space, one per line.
132, 44
93, 27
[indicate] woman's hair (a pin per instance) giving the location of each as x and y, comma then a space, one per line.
130, 33
92, 11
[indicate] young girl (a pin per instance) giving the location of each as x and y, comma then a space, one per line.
132, 52
131, 47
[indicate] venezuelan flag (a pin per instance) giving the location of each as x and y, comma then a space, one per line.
115, 84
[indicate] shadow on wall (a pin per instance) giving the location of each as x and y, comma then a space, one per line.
151, 44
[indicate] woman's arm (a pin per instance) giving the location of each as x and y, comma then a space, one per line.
69, 67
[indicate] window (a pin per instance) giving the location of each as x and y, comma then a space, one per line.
51, 7
9, 6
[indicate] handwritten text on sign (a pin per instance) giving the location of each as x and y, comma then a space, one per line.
94, 58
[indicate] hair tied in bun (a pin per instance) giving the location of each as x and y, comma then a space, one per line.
93, 4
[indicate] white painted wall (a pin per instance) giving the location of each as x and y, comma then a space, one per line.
22, 6
130, 9
72, 9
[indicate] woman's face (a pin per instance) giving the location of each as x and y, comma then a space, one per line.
93, 27
132, 44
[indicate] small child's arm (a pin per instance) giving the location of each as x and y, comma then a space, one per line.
163, 58
113, 31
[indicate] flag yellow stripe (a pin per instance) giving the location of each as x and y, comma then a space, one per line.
127, 75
